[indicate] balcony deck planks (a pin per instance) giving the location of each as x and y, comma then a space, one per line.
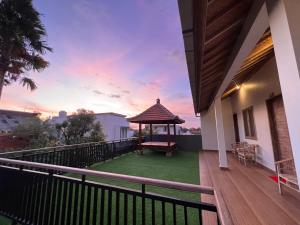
207, 217
250, 196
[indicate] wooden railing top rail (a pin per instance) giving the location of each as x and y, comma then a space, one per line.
223, 213
115, 176
65, 146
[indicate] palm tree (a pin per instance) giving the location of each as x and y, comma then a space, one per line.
21, 42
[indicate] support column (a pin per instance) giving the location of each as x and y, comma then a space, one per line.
284, 20
220, 133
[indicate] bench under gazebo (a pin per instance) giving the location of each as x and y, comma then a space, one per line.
157, 114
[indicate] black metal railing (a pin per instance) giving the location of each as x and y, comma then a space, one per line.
30, 196
79, 155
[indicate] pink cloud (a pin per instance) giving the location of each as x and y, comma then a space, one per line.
21, 104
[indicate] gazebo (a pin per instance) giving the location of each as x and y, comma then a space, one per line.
157, 114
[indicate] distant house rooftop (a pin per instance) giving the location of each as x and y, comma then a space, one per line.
18, 113
110, 113
9, 119
105, 113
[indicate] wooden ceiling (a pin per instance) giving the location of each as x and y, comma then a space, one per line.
210, 30
262, 52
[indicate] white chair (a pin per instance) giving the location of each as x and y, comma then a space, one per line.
247, 154
236, 146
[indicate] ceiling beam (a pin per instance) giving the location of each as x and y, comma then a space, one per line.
216, 56
256, 61
225, 30
224, 45
208, 67
211, 78
226, 12
212, 73
215, 70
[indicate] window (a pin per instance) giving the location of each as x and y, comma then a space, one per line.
4, 121
123, 132
249, 125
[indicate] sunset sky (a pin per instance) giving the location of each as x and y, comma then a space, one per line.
109, 56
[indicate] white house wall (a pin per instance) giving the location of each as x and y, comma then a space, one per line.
208, 126
111, 125
255, 92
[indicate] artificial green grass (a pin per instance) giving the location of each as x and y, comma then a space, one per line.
4, 221
181, 167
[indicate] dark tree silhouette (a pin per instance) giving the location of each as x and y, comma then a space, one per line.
22, 42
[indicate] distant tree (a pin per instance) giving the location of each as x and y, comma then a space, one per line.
21, 42
146, 130
143, 133
62, 131
195, 131
38, 133
80, 128
97, 133
184, 129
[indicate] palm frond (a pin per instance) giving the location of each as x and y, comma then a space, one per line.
22, 41
29, 83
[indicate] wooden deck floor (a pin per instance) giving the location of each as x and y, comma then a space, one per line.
248, 196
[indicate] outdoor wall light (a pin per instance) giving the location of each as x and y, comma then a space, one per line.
236, 85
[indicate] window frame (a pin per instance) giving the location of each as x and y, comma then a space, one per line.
249, 123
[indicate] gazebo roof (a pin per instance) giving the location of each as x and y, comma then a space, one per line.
156, 114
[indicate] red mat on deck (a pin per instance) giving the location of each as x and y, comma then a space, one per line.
275, 178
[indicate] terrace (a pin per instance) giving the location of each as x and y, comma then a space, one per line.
247, 195
53, 186
137, 189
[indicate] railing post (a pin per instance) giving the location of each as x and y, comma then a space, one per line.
82, 195
143, 204
112, 149
53, 159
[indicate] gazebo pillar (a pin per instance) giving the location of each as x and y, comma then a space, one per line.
174, 129
169, 135
140, 136
150, 131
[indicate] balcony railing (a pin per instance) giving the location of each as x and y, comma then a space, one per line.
79, 155
32, 192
